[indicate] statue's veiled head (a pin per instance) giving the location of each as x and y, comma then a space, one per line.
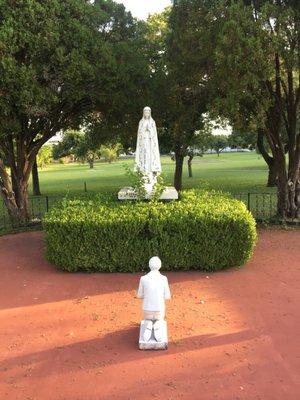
147, 112
155, 264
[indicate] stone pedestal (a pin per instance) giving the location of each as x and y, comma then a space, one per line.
152, 344
128, 193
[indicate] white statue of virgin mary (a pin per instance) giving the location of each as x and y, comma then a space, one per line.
147, 161
147, 157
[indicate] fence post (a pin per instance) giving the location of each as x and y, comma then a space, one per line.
248, 201
85, 188
47, 203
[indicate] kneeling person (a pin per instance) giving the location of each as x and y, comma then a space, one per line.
154, 290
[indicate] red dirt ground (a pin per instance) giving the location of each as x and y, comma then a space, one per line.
74, 337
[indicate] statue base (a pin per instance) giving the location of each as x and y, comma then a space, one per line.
128, 193
152, 344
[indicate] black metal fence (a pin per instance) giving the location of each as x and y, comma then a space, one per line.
38, 206
263, 206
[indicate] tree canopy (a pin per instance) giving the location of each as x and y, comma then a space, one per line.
243, 57
61, 63
258, 52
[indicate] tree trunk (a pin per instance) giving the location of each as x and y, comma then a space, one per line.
293, 196
289, 190
14, 187
19, 155
23, 203
9, 198
16, 202
288, 204
35, 180
282, 199
288, 200
190, 159
297, 197
270, 161
285, 110
179, 158
272, 175
90, 160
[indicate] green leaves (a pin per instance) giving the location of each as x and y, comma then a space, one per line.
204, 231
60, 60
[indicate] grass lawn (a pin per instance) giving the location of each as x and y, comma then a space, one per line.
237, 173
232, 172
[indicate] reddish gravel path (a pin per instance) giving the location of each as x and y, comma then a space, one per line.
74, 337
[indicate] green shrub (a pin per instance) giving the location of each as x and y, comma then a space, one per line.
203, 231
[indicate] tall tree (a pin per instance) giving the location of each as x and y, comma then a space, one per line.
187, 86
60, 60
257, 62
186, 60
78, 144
250, 52
87, 150
219, 143
240, 139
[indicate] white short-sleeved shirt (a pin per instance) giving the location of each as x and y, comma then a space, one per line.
154, 290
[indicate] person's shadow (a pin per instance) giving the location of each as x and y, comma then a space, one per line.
113, 348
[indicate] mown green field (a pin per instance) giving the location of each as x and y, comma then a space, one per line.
232, 172
237, 173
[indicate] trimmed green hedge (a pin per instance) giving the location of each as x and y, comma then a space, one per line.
203, 231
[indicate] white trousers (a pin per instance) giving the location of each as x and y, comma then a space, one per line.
153, 315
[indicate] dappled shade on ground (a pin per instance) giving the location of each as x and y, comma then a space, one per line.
67, 336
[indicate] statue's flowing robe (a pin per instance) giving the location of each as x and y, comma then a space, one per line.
147, 157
